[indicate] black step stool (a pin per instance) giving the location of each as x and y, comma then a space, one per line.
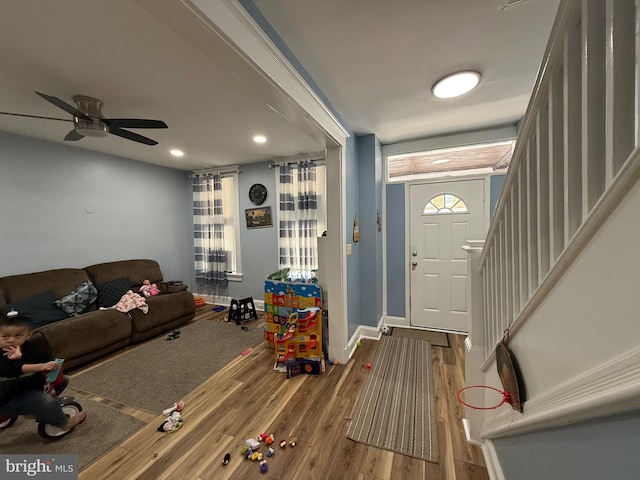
242, 310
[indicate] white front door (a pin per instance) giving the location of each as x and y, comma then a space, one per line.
443, 216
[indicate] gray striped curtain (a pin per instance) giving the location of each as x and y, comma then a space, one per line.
208, 234
298, 219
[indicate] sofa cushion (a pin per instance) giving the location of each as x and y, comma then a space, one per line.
60, 281
136, 271
84, 337
40, 309
77, 301
110, 293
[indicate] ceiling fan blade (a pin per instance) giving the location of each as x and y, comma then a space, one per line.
132, 136
73, 136
134, 123
64, 106
36, 116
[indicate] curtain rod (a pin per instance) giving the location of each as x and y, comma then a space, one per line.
298, 162
212, 171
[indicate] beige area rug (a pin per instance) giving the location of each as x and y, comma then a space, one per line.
104, 429
157, 373
436, 339
396, 409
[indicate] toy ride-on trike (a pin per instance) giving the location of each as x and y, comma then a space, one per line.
69, 406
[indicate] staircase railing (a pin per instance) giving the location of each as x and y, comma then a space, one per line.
575, 158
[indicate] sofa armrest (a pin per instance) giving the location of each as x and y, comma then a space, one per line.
171, 287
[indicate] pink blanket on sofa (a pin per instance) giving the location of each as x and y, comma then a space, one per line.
130, 301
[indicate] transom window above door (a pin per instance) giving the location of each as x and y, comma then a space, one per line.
473, 159
445, 203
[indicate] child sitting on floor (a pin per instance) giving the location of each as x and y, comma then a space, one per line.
20, 356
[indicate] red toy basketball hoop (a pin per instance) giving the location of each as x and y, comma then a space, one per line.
509, 373
506, 397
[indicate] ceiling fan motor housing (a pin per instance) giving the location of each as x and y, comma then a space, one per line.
92, 107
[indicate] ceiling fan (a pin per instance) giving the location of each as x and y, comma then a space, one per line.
88, 120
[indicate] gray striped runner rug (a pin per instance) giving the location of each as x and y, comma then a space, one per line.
396, 409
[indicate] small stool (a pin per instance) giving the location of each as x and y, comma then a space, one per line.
242, 310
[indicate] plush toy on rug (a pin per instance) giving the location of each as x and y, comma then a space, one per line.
149, 289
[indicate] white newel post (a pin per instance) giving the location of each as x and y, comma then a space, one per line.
475, 341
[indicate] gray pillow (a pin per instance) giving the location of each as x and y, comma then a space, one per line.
77, 301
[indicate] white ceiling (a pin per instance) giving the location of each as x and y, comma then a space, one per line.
374, 59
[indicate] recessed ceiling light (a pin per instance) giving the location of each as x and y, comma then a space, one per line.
456, 84
260, 139
441, 160
177, 153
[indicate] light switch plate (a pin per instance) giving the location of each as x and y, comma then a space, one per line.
349, 248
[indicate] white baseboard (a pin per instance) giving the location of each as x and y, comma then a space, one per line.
401, 322
467, 433
362, 332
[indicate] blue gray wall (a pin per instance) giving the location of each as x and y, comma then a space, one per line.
259, 246
604, 448
496, 187
62, 206
370, 245
395, 242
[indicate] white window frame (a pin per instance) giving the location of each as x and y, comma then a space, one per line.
234, 276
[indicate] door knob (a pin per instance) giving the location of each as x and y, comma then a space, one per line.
414, 254
414, 265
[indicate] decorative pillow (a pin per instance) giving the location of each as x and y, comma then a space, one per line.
110, 293
77, 301
39, 309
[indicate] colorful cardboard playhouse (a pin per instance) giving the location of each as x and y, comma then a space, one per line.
293, 325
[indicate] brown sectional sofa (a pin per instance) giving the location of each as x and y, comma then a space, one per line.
97, 332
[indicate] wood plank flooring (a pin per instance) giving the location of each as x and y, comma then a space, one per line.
247, 397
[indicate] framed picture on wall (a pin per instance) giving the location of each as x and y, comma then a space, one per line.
258, 217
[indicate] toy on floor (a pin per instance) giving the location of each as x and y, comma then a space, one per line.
283, 443
266, 438
263, 466
252, 443
225, 460
173, 335
271, 452
171, 424
176, 407
293, 442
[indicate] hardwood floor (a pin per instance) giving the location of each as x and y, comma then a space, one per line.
247, 397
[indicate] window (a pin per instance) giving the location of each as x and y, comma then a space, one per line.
216, 228
231, 223
460, 160
445, 203
301, 215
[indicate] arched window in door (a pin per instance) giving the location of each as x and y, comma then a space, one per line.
445, 203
